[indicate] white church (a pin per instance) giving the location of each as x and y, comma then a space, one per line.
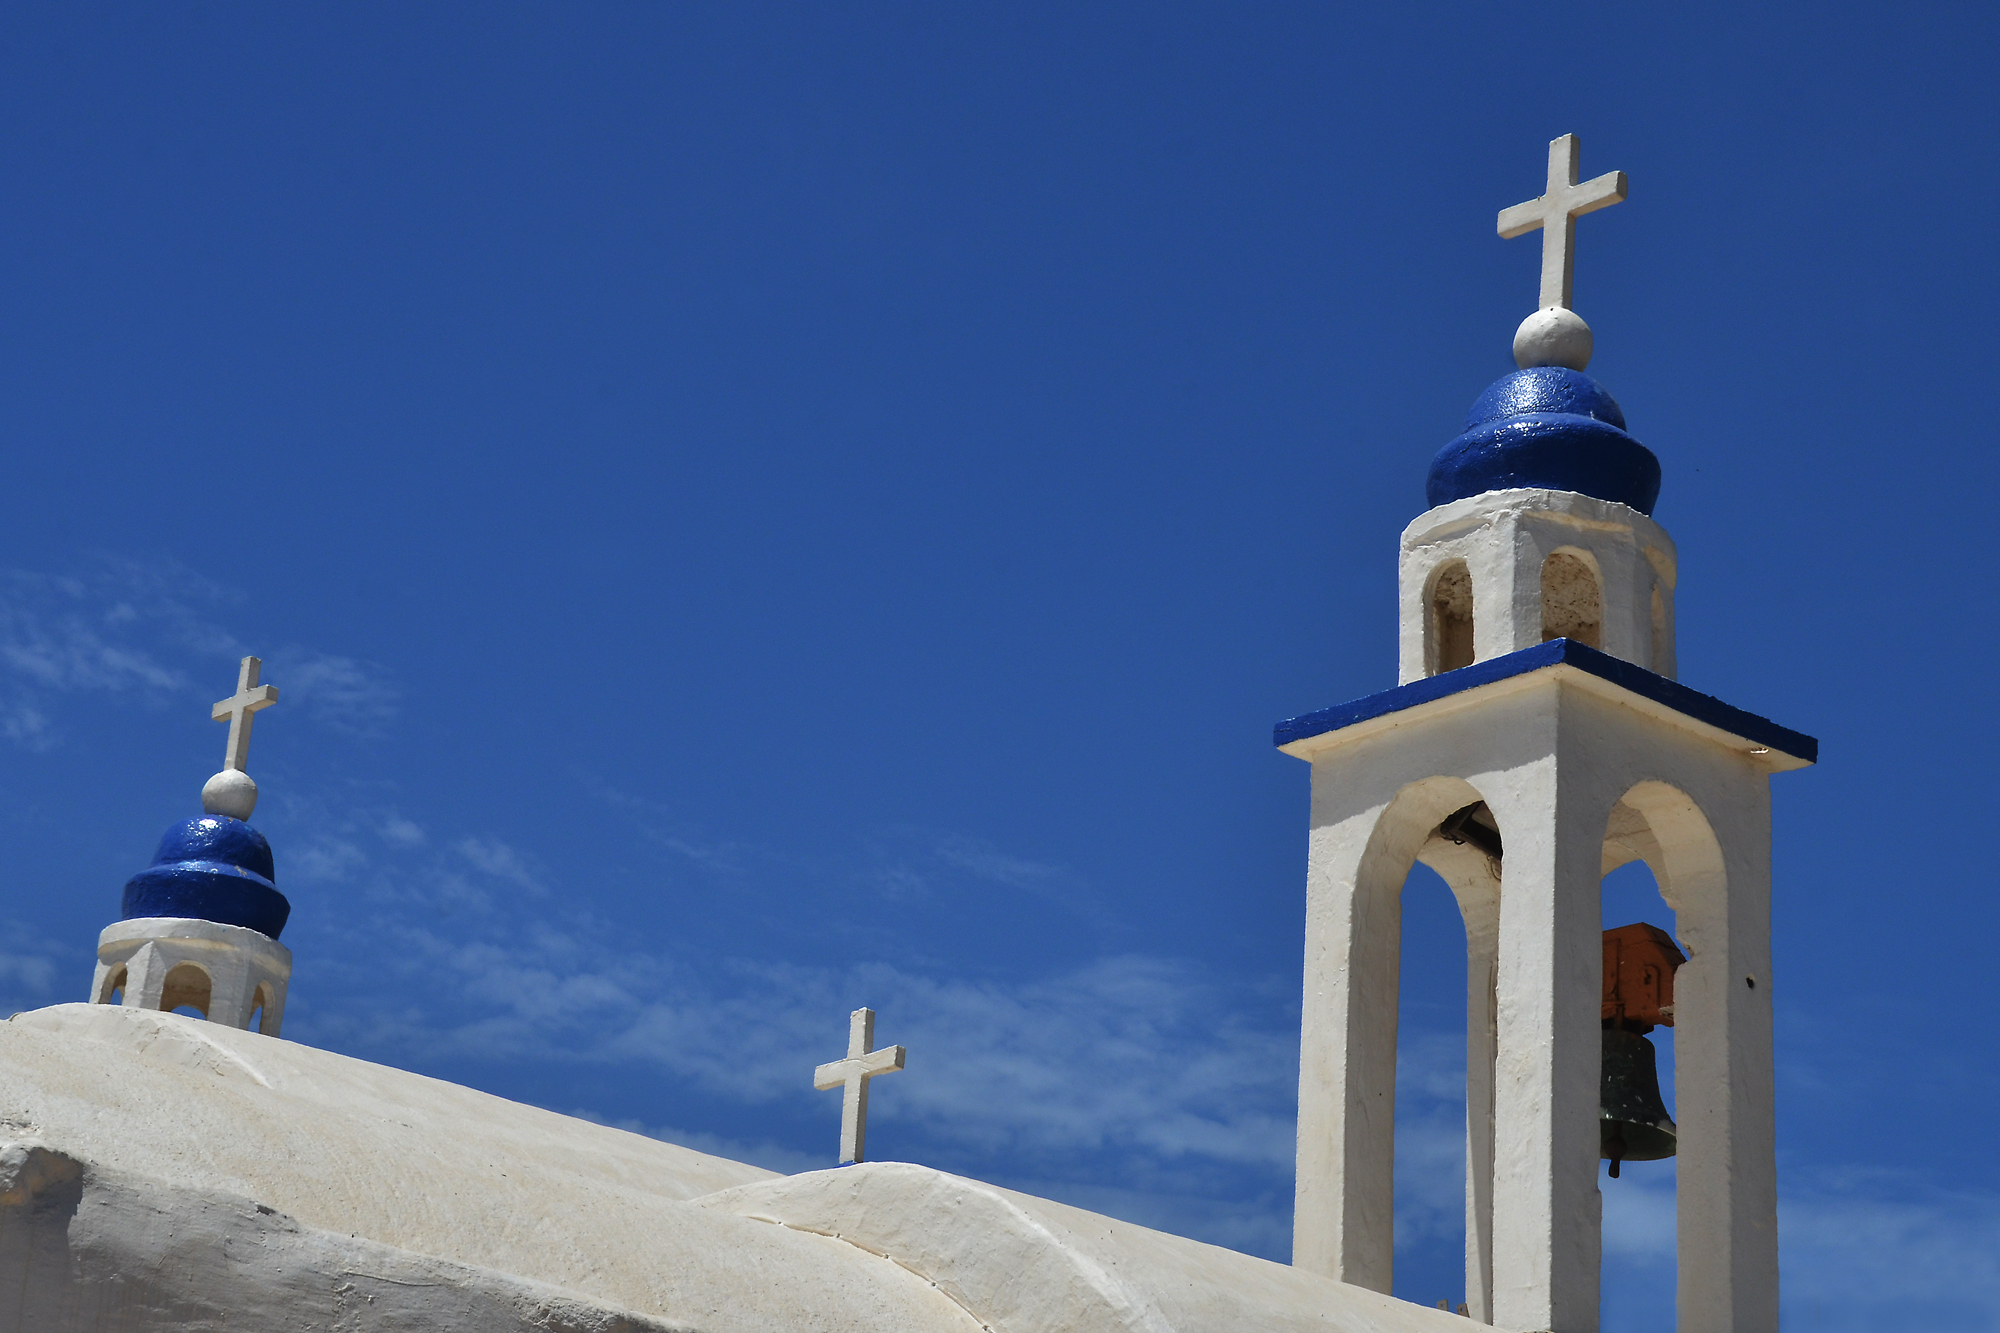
159, 1171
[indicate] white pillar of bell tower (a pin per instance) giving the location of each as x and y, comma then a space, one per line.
1536, 742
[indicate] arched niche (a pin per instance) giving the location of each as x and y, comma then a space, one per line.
1448, 640
188, 986
1572, 597
262, 1018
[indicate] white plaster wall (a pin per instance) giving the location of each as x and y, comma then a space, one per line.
1580, 776
1504, 537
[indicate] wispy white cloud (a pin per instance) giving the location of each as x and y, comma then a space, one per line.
325, 858
400, 832
1127, 1059
342, 692
33, 969
154, 632
909, 862
982, 858
69, 635
1126, 1054
1430, 1137
502, 861
901, 864
35, 973
1879, 1250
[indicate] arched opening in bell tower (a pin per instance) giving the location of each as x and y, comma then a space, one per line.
1429, 1245
1427, 902
1663, 867
187, 989
1448, 624
1572, 599
1639, 1266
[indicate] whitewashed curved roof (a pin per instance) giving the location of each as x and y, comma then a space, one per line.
161, 1172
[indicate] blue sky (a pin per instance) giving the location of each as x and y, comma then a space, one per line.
758, 510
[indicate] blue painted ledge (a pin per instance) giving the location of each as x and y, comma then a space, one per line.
1556, 652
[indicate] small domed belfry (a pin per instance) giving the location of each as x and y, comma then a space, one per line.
199, 927
1537, 741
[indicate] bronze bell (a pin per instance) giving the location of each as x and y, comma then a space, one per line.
1632, 1120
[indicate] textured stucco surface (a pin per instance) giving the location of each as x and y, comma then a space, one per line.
158, 1172
1023, 1263
90, 1248
414, 1164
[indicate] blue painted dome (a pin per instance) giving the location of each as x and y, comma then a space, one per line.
1549, 428
211, 869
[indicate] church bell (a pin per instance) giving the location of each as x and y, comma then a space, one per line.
1632, 1120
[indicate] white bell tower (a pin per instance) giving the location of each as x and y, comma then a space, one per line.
199, 927
1536, 742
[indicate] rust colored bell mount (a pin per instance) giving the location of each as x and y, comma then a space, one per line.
1632, 1120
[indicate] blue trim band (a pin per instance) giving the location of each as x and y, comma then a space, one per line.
227, 894
1556, 652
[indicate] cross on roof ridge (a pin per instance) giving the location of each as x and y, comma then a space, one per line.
851, 1075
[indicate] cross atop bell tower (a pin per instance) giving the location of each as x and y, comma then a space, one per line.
232, 792
1555, 335
1556, 212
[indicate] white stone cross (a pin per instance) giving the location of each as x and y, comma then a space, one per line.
238, 708
1556, 213
863, 1062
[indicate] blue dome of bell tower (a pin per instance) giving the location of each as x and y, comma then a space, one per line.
1546, 428
213, 868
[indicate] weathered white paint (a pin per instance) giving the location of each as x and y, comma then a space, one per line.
851, 1076
160, 1173
246, 969
1555, 212
1504, 539
1581, 776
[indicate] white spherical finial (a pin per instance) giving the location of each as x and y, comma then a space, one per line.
231, 792
1553, 337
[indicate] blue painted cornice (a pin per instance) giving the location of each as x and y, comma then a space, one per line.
1617, 671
